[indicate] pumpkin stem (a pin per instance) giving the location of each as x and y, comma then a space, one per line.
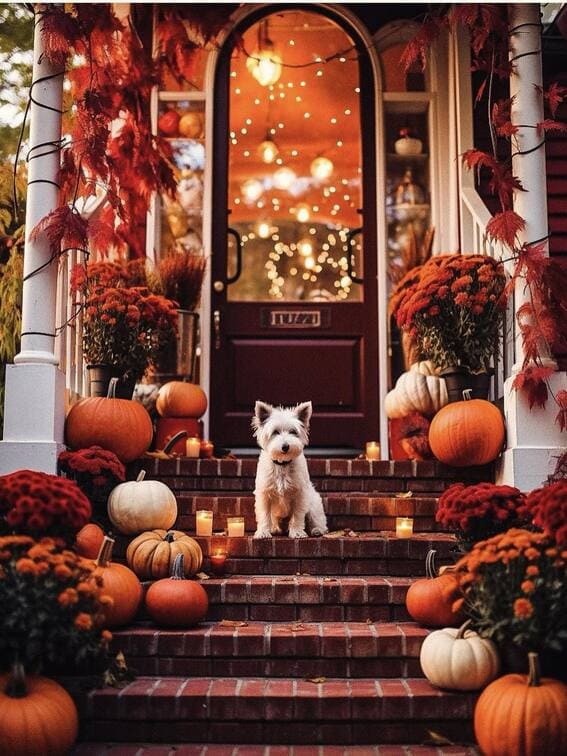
169, 536
467, 395
173, 440
141, 476
534, 672
105, 553
177, 569
16, 687
111, 393
463, 628
430, 569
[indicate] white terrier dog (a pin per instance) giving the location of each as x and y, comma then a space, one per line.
283, 487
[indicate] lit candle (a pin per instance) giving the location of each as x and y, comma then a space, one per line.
207, 449
218, 559
204, 522
193, 447
404, 527
235, 526
373, 450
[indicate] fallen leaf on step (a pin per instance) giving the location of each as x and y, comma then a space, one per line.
329, 579
158, 455
406, 495
297, 627
436, 739
351, 534
316, 679
289, 579
233, 623
203, 576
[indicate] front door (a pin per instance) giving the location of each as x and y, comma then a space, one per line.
294, 266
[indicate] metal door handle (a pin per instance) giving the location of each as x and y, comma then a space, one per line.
238, 240
217, 324
349, 252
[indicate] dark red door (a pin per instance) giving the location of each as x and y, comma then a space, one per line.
294, 298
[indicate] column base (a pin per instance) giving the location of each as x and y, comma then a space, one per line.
527, 468
40, 456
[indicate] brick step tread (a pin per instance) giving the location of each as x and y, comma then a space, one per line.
197, 749
276, 700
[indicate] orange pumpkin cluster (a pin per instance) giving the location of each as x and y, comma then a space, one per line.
548, 505
453, 305
55, 598
38, 504
95, 470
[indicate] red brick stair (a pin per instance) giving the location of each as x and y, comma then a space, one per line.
145, 749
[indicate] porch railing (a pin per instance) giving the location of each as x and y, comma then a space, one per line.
69, 323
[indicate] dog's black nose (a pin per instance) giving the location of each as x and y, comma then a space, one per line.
285, 448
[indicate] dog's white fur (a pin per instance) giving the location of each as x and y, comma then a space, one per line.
283, 487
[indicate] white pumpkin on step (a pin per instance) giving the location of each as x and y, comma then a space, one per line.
417, 390
140, 505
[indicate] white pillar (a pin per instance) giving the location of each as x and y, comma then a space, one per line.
34, 399
533, 439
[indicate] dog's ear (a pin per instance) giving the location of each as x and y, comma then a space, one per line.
303, 412
262, 412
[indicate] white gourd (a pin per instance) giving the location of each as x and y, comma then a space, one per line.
425, 367
417, 390
139, 505
459, 659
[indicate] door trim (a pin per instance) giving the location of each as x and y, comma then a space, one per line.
381, 227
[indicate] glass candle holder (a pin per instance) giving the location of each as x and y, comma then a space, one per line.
235, 526
373, 450
204, 522
207, 449
404, 527
218, 561
193, 448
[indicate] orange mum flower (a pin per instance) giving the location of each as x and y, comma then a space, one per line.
26, 566
83, 621
532, 553
62, 572
523, 608
67, 597
106, 636
528, 586
532, 570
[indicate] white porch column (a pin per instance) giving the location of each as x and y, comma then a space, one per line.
534, 440
34, 400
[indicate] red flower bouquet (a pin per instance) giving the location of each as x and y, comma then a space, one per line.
548, 506
479, 511
38, 504
95, 470
52, 606
454, 306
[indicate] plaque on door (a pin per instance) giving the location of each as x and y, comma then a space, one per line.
276, 318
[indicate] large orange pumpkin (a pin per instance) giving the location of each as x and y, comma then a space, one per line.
121, 584
522, 715
429, 600
89, 540
119, 425
37, 716
175, 601
467, 433
180, 399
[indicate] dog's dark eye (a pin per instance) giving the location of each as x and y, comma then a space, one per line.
292, 431
275, 433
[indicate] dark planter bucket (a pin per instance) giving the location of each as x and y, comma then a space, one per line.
458, 380
514, 659
178, 360
99, 380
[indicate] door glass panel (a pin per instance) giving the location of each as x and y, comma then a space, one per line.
295, 162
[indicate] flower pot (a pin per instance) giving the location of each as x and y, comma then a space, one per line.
178, 359
458, 379
408, 146
514, 659
99, 378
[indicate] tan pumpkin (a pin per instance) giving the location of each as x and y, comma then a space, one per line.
417, 390
459, 659
181, 399
151, 555
139, 505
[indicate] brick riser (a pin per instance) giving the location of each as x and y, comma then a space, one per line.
282, 711
143, 749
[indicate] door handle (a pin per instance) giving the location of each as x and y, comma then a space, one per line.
217, 326
238, 240
349, 253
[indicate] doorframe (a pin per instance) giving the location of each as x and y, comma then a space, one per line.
380, 177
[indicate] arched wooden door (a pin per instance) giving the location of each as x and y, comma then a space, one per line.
294, 263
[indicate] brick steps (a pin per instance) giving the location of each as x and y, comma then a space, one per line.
349, 650
144, 749
282, 711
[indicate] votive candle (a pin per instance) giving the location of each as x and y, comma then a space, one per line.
193, 447
373, 450
235, 526
404, 527
204, 521
218, 559
207, 449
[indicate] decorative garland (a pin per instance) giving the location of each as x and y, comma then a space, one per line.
542, 320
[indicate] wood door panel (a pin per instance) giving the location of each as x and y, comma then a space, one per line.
287, 371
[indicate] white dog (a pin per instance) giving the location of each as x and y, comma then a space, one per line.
283, 487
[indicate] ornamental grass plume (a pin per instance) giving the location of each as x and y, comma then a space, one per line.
180, 277
482, 510
95, 470
548, 507
38, 504
454, 306
515, 590
55, 603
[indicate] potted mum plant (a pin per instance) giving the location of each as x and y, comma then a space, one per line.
454, 307
96, 471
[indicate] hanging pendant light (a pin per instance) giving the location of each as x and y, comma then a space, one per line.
268, 150
251, 190
321, 168
265, 63
284, 178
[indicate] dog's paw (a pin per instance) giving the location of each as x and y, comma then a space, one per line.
262, 534
319, 531
297, 534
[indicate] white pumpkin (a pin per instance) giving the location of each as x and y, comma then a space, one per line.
459, 659
139, 505
425, 367
416, 391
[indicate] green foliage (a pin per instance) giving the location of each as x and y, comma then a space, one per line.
16, 43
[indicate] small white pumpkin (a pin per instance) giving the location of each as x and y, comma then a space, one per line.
459, 659
416, 391
425, 367
139, 505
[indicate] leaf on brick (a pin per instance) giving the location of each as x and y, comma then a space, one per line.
232, 623
505, 227
316, 680
203, 576
406, 495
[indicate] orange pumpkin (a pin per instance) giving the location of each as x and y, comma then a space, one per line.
180, 399
175, 601
429, 600
151, 554
38, 716
522, 715
119, 425
89, 540
467, 433
121, 584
